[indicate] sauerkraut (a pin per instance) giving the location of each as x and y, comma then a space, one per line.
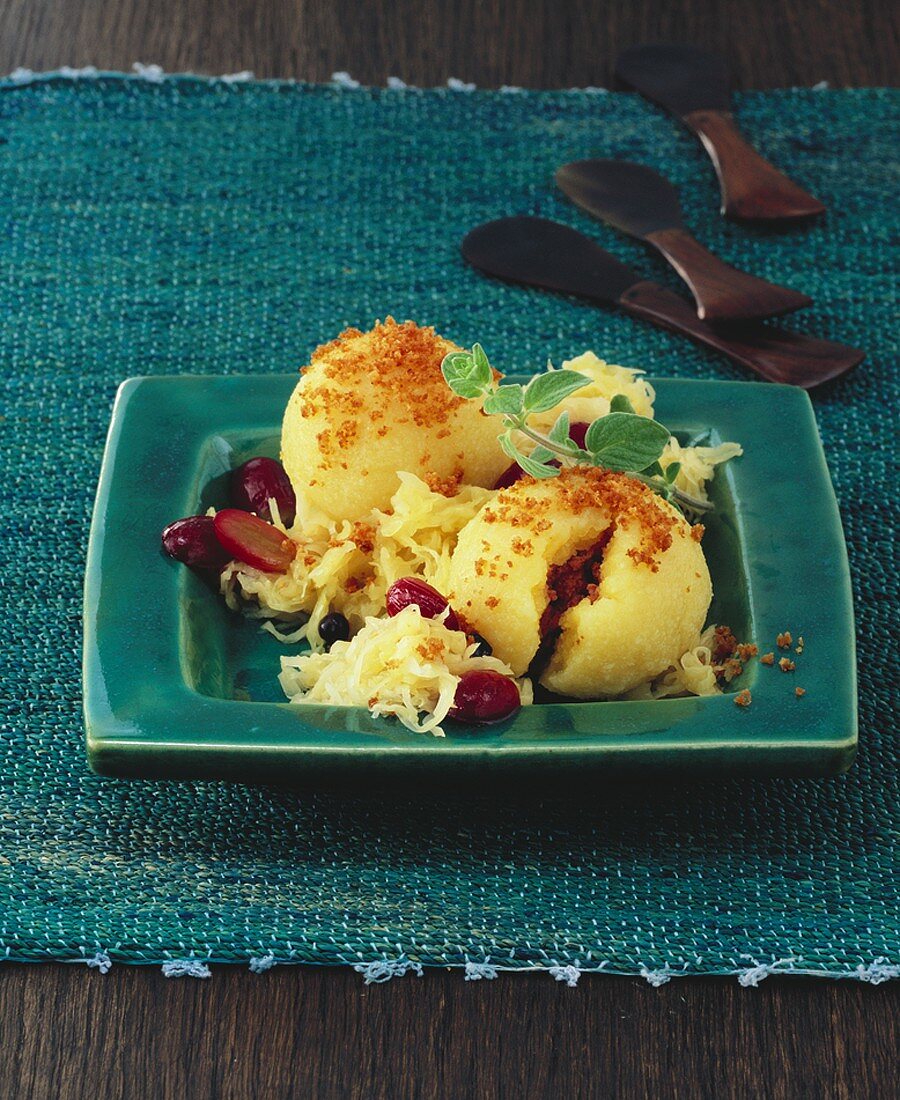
348, 567
607, 380
407, 666
692, 674
698, 464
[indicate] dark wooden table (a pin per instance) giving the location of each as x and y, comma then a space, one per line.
67, 1032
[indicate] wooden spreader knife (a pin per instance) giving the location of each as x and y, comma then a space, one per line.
546, 254
640, 202
693, 86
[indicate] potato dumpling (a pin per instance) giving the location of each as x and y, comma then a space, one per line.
606, 572
372, 404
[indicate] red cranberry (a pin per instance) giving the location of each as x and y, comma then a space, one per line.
430, 602
578, 431
509, 476
253, 541
193, 541
483, 696
258, 481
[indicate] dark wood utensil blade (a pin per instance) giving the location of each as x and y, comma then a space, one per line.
546, 254
630, 197
693, 85
636, 200
678, 78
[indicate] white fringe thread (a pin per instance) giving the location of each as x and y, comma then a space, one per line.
186, 968
383, 970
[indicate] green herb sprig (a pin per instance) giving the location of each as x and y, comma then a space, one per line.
621, 440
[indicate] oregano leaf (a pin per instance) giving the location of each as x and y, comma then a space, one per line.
508, 446
527, 462
559, 433
541, 454
621, 404
545, 391
536, 469
505, 399
480, 359
462, 376
623, 441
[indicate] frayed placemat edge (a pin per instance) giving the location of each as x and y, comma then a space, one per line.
155, 74
381, 970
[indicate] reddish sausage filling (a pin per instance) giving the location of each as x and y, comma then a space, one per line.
567, 585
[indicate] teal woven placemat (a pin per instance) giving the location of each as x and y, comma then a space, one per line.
192, 226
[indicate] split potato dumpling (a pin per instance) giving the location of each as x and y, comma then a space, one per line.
643, 621
498, 572
646, 602
372, 404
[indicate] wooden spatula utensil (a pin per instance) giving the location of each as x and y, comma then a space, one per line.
546, 254
693, 86
640, 202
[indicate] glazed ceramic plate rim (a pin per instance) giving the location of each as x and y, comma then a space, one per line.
143, 718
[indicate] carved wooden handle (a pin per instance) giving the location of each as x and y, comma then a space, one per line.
772, 353
722, 292
752, 188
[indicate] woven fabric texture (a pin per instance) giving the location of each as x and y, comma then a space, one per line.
168, 226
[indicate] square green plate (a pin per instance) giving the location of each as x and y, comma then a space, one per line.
176, 686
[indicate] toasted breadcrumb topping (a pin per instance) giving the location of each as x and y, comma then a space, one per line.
786, 664
799, 692
401, 362
743, 698
783, 641
580, 488
430, 650
725, 644
767, 659
446, 486
729, 656
363, 534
